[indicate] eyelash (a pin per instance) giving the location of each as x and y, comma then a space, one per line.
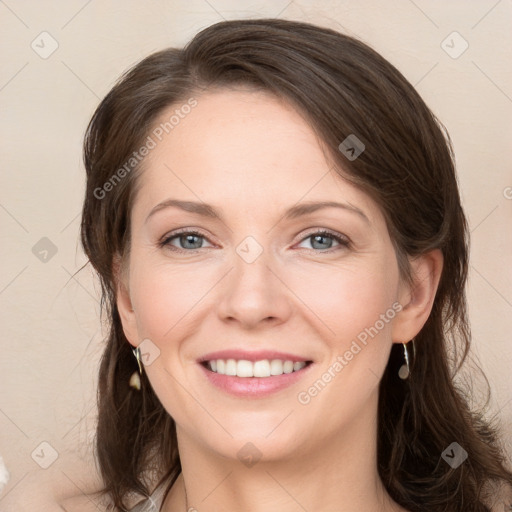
341, 239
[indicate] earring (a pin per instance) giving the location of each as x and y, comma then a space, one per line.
405, 369
135, 378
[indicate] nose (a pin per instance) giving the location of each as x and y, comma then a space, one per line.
254, 294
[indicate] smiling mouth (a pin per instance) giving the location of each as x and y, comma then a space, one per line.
263, 369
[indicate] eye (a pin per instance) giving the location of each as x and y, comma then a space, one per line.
323, 240
192, 240
189, 240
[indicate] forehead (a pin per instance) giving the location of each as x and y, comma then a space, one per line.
245, 147
240, 129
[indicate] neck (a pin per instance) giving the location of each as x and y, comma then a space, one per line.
338, 474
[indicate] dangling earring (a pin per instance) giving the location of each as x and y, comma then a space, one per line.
405, 369
135, 378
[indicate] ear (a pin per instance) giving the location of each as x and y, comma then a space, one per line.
417, 299
124, 303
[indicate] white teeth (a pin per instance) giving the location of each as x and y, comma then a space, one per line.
263, 368
298, 366
288, 367
230, 367
276, 367
244, 368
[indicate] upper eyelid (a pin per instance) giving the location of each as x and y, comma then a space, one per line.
198, 232
183, 231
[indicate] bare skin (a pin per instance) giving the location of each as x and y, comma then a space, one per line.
253, 157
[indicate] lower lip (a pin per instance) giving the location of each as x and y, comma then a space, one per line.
254, 387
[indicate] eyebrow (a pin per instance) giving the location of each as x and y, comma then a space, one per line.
294, 212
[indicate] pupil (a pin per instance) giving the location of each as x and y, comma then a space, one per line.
190, 238
320, 237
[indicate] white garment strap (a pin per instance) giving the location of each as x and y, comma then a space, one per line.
153, 503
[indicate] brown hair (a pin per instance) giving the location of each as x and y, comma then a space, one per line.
342, 87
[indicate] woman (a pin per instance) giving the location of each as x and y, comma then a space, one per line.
274, 215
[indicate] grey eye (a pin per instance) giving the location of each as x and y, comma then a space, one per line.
324, 240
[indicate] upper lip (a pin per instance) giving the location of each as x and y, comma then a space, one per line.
257, 355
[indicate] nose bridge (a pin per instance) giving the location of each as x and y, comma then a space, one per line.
253, 291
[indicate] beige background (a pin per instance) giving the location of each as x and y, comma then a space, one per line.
51, 337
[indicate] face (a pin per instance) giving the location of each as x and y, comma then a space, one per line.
262, 280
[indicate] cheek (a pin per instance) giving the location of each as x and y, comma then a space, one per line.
165, 296
352, 303
341, 300
344, 300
